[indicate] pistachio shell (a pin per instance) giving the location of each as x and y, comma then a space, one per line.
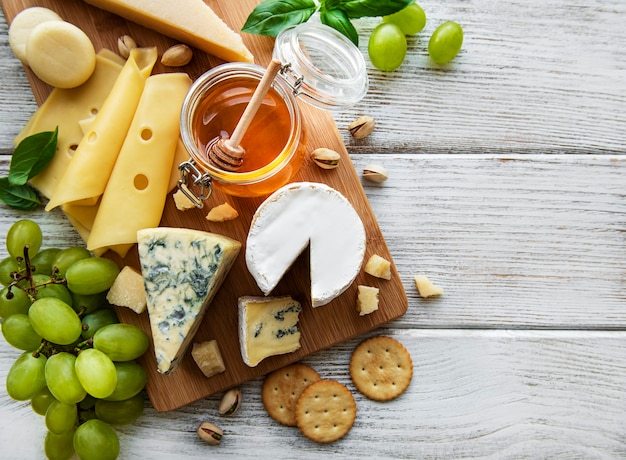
177, 56
124, 44
210, 433
375, 173
325, 158
362, 127
230, 402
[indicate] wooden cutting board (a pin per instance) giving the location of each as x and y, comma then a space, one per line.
320, 327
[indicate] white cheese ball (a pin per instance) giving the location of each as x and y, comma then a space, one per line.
60, 54
23, 23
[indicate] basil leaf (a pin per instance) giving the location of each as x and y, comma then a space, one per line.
31, 156
21, 197
339, 20
271, 16
361, 8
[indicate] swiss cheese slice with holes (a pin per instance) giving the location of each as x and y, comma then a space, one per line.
65, 108
88, 172
295, 217
136, 191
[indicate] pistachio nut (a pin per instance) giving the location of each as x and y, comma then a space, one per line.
230, 402
325, 158
362, 127
375, 173
177, 56
210, 433
124, 44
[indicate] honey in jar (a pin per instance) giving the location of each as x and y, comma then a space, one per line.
274, 141
320, 67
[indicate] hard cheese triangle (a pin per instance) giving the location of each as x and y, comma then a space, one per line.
182, 271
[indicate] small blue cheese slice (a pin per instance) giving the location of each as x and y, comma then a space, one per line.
267, 327
182, 271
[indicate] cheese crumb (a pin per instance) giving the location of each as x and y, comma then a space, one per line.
367, 300
208, 357
426, 288
222, 213
379, 267
128, 290
182, 201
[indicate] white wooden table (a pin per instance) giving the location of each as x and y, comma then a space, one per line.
507, 188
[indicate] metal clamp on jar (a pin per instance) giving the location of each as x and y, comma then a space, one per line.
318, 65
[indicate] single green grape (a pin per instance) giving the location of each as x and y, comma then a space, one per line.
120, 412
8, 265
42, 262
445, 42
96, 440
88, 403
62, 380
387, 47
97, 320
88, 303
26, 376
410, 19
55, 320
15, 302
66, 257
41, 401
91, 276
19, 333
21, 233
59, 446
58, 291
121, 342
131, 379
61, 417
96, 373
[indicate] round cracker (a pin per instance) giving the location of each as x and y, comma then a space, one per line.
325, 411
381, 368
282, 388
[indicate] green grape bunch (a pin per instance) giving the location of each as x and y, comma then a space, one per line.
77, 365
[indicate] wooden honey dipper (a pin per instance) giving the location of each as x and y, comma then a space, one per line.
226, 153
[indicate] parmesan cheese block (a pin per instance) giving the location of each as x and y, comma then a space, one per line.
300, 215
88, 172
267, 327
65, 108
367, 300
135, 194
190, 21
182, 271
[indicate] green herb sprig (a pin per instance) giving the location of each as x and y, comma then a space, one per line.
271, 16
30, 157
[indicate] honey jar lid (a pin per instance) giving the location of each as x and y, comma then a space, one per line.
322, 65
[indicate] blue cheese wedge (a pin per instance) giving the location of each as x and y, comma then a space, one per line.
267, 327
301, 215
182, 270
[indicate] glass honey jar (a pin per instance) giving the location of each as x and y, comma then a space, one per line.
318, 65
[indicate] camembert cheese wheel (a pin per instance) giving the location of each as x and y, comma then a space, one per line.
306, 214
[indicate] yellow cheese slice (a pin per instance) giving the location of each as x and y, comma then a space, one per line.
87, 174
190, 21
180, 156
65, 108
135, 194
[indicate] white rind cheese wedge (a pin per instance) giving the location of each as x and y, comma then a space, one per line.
300, 215
182, 271
190, 21
267, 327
